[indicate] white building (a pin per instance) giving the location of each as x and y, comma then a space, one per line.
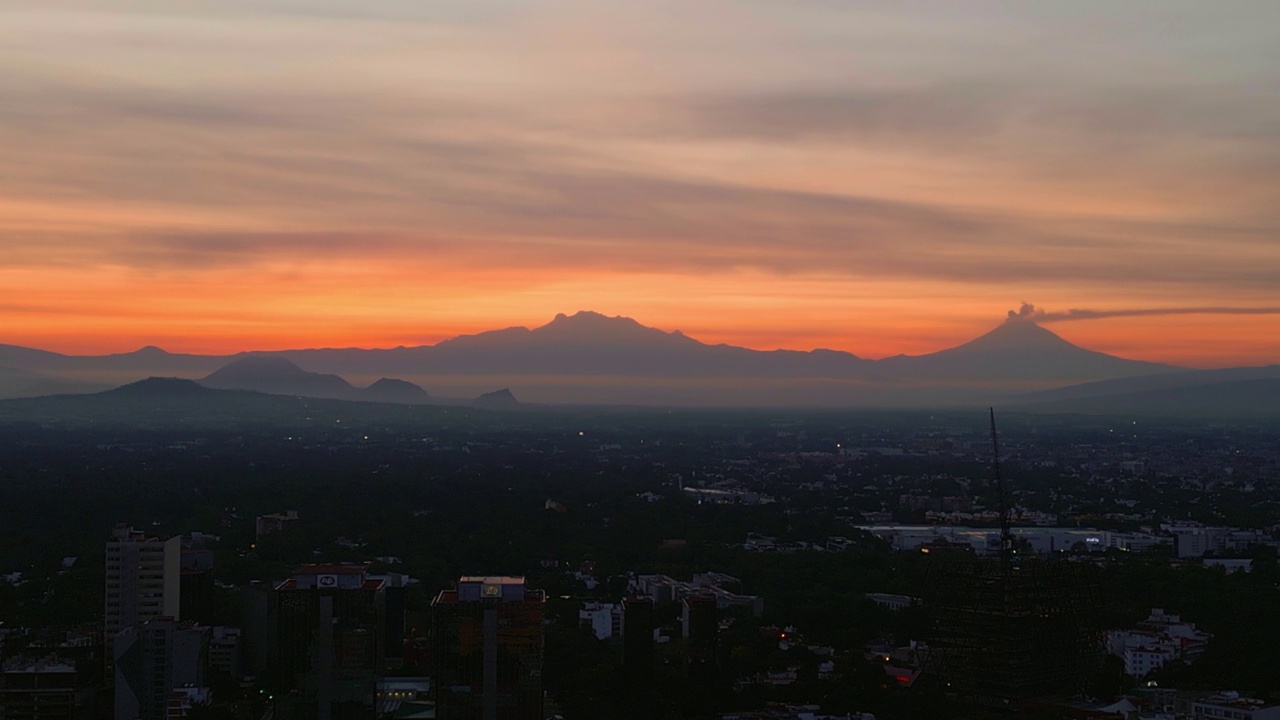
664, 589
604, 619
985, 541
1194, 541
1141, 660
143, 575
1158, 640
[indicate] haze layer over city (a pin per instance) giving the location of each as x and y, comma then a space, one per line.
523, 360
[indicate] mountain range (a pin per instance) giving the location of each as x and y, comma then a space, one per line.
589, 357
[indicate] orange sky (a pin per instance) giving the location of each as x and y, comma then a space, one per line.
214, 177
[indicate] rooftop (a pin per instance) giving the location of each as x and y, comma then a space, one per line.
492, 579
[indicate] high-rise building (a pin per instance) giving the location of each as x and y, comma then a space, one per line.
487, 642
152, 660
142, 579
638, 642
701, 625
1008, 630
196, 589
393, 649
701, 631
329, 627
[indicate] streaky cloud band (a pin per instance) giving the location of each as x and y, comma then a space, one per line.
1030, 312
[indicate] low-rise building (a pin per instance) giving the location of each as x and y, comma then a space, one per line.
603, 619
893, 602
1228, 705
49, 687
224, 650
664, 589
274, 523
1160, 639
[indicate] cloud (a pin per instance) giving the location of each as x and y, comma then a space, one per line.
941, 147
1028, 311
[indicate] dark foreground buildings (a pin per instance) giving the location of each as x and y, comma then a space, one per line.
487, 645
152, 660
1009, 631
330, 632
637, 643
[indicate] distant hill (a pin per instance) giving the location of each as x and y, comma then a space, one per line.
389, 390
497, 400
159, 402
16, 383
20, 358
163, 389
278, 376
149, 359
164, 403
1161, 381
1255, 398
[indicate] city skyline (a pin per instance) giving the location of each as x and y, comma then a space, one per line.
279, 174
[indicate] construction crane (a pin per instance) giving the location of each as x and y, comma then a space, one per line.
1006, 535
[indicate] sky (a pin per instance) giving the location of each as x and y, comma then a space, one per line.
874, 177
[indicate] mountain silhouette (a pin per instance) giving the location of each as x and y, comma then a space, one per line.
589, 343
1257, 398
158, 388
278, 376
1173, 381
15, 383
1018, 350
590, 357
496, 400
395, 391
167, 403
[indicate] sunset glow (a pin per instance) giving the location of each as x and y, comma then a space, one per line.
226, 176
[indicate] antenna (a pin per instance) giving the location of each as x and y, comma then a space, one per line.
1006, 535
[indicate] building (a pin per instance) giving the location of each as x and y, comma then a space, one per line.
195, 585
143, 579
49, 688
701, 631
603, 619
1004, 632
638, 642
395, 586
154, 659
224, 650
274, 523
402, 698
329, 626
1161, 638
986, 540
183, 699
1227, 705
487, 641
664, 589
1193, 541
894, 603
1231, 565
